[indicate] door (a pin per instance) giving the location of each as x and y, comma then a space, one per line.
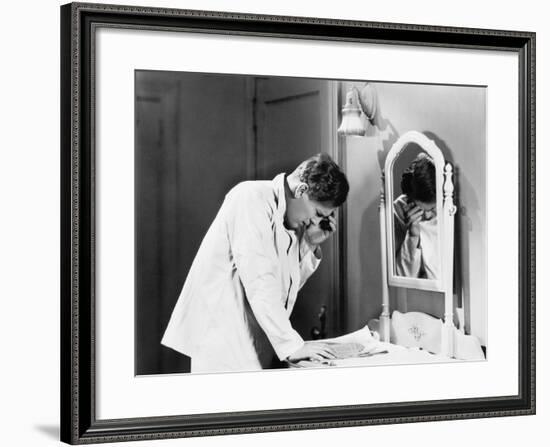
295, 119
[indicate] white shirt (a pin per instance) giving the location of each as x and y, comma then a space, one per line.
416, 257
234, 308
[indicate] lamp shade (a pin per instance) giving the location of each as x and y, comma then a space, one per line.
367, 100
351, 125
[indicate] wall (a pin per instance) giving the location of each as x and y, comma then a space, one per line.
29, 228
454, 117
191, 142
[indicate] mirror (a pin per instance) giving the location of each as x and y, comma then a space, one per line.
417, 215
414, 207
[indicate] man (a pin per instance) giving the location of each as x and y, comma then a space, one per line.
234, 308
415, 217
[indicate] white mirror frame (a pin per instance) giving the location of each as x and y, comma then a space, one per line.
445, 211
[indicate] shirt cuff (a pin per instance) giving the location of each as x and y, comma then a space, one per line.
310, 261
284, 350
306, 249
318, 253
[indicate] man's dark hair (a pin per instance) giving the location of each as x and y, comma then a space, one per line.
326, 181
418, 180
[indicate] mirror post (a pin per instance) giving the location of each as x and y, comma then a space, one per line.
385, 315
449, 210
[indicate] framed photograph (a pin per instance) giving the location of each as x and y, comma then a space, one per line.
287, 223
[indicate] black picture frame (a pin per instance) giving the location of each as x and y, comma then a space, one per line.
78, 25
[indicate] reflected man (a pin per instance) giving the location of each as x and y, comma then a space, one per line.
415, 221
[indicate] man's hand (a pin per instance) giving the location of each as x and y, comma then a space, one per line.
413, 216
314, 351
315, 234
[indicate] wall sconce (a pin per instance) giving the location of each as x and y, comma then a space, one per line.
357, 102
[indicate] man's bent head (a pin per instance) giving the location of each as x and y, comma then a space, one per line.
315, 189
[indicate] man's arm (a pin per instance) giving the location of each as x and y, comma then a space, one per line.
408, 258
407, 247
310, 258
253, 248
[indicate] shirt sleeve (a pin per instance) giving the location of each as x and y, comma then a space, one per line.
257, 264
408, 259
309, 261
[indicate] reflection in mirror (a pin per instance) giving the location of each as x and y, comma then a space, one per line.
416, 231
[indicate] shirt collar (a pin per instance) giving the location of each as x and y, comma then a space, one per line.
280, 197
279, 187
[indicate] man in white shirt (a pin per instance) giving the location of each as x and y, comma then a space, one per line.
415, 217
233, 311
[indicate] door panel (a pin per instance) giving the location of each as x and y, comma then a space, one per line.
294, 119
